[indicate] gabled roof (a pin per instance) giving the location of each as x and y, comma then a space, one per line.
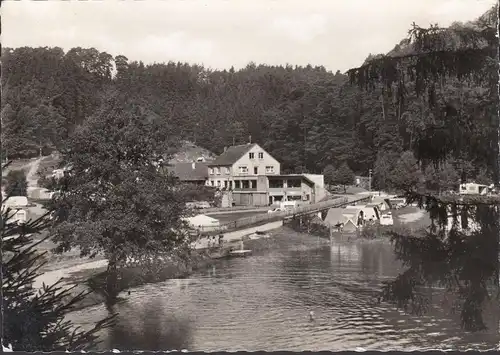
186, 172
339, 215
231, 155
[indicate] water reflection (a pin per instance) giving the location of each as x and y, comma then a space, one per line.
152, 328
263, 303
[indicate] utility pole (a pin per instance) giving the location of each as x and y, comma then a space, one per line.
304, 153
370, 180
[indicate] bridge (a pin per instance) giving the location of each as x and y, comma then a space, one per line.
279, 216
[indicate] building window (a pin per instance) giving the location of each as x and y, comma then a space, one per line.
211, 171
270, 169
225, 184
275, 184
243, 169
237, 184
245, 184
218, 183
293, 183
261, 155
217, 171
212, 182
226, 171
251, 155
256, 170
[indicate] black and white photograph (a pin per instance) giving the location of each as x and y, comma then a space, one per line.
265, 175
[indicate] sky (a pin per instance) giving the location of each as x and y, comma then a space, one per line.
337, 34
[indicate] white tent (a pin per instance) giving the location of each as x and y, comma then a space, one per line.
202, 220
338, 215
16, 202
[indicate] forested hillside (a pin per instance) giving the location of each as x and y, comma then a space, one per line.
307, 117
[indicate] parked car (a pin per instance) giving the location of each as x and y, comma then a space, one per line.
386, 220
400, 205
275, 210
198, 204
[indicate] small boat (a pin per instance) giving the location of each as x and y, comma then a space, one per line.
219, 255
258, 235
240, 253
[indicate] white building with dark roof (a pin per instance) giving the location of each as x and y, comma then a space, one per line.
253, 176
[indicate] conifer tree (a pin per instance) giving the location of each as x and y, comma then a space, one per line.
460, 250
32, 319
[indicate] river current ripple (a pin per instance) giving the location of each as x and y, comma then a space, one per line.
263, 303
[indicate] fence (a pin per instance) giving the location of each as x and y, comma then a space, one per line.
277, 216
232, 209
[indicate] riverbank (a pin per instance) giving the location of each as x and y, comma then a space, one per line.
90, 275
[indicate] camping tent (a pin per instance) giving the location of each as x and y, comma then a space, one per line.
370, 211
18, 206
203, 222
336, 216
16, 202
382, 203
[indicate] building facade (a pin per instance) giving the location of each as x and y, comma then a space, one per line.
253, 177
243, 170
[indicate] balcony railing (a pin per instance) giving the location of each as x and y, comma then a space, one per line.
245, 189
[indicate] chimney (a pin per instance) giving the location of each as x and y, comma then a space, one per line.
193, 165
225, 149
249, 139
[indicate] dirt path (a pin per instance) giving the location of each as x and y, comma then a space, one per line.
31, 176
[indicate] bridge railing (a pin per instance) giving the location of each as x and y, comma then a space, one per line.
278, 216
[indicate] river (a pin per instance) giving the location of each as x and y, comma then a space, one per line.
263, 302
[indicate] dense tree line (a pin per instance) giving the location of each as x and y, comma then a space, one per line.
422, 116
307, 117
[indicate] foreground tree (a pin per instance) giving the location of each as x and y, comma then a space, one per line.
383, 170
34, 320
460, 250
406, 175
329, 174
16, 183
343, 176
442, 179
118, 199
